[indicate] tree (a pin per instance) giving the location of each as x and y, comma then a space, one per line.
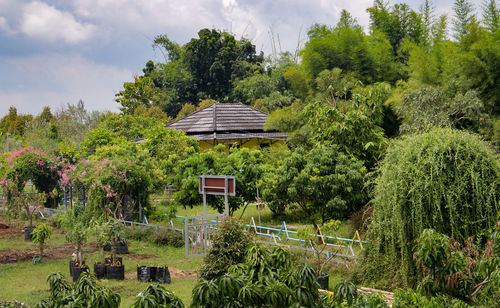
77, 226
41, 233
42, 169
173, 50
45, 116
243, 164
186, 110
460, 270
324, 183
463, 16
443, 179
13, 123
229, 247
96, 138
370, 59
141, 92
354, 125
398, 23
347, 21
428, 18
216, 59
432, 107
491, 16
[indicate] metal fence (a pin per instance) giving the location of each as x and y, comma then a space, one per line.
197, 233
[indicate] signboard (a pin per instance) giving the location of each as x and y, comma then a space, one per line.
217, 185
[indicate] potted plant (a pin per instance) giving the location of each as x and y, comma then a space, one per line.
115, 268
102, 234
30, 202
76, 235
319, 245
39, 236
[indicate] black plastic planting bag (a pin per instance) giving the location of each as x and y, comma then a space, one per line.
163, 275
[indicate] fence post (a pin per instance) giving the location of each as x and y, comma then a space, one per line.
186, 238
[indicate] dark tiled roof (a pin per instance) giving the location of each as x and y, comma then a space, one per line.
222, 118
228, 136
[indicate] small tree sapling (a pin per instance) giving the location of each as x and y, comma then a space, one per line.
40, 235
102, 233
319, 244
116, 232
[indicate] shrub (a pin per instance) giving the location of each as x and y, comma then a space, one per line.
267, 278
325, 183
156, 296
84, 293
409, 298
167, 237
458, 270
229, 245
55, 221
41, 233
444, 179
139, 233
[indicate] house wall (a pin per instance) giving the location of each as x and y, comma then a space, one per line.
244, 143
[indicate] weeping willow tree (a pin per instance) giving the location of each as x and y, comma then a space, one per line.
444, 179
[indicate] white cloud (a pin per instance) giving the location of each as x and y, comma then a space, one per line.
47, 23
4, 26
55, 79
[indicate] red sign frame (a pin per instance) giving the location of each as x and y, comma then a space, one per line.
216, 185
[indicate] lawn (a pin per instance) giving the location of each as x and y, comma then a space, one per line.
26, 282
292, 218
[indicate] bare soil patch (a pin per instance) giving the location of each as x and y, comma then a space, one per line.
8, 229
13, 256
134, 256
55, 253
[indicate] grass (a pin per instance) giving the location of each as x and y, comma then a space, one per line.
26, 282
292, 218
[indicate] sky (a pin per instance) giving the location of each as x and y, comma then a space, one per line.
54, 52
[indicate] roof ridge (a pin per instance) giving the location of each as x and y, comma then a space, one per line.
214, 120
196, 111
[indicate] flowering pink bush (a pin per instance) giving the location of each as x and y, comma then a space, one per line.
109, 183
26, 164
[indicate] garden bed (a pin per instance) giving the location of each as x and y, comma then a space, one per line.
56, 253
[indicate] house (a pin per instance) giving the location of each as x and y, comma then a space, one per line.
228, 124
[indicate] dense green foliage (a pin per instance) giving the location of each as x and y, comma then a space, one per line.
41, 233
156, 296
229, 246
343, 98
324, 183
84, 293
243, 164
444, 179
265, 278
458, 269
